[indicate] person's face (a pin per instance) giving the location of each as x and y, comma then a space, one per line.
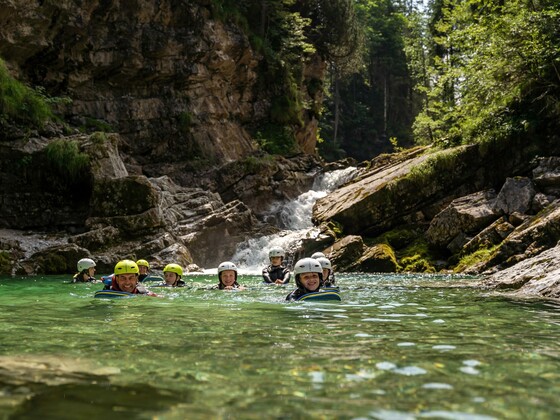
326, 272
276, 260
143, 269
310, 281
91, 271
228, 277
127, 282
170, 278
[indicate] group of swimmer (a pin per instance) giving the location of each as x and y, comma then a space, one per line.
311, 275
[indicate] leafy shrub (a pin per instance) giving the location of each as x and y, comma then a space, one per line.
66, 161
20, 103
277, 140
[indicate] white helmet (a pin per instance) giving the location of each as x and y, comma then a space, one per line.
227, 265
276, 251
318, 255
84, 264
307, 265
325, 262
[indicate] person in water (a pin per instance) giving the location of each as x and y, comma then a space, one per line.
309, 278
86, 270
328, 275
318, 254
125, 279
227, 277
144, 268
276, 272
172, 274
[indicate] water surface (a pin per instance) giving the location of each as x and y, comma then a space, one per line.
396, 347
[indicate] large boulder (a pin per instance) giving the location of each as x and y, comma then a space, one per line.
515, 196
528, 240
345, 253
537, 276
463, 217
379, 258
215, 238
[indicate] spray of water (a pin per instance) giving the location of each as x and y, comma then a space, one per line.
294, 218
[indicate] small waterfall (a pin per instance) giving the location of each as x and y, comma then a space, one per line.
295, 220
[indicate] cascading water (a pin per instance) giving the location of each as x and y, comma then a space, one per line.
295, 220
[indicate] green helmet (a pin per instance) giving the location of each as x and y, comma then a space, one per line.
174, 268
126, 267
143, 263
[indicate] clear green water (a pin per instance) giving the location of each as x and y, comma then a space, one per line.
396, 347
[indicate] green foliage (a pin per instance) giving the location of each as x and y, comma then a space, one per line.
411, 249
255, 164
371, 100
336, 227
94, 124
416, 264
67, 162
21, 104
277, 139
481, 255
439, 164
98, 137
496, 68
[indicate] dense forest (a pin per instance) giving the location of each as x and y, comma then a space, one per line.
402, 72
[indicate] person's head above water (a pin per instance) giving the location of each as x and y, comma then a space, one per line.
172, 273
326, 266
276, 255
143, 266
227, 274
126, 275
318, 254
309, 274
86, 265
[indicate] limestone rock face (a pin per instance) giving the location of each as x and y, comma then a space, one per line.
516, 195
169, 78
538, 276
535, 235
464, 216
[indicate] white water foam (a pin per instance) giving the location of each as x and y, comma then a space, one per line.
294, 218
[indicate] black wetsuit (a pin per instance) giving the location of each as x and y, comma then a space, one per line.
299, 292
272, 273
79, 278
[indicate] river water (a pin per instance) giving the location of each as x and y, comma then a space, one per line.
396, 347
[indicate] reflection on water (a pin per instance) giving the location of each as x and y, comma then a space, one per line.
396, 347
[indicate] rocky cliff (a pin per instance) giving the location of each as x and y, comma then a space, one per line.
476, 209
174, 97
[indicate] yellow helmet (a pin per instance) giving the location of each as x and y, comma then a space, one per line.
143, 263
126, 267
174, 268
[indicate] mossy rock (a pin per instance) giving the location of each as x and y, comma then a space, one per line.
416, 264
379, 258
